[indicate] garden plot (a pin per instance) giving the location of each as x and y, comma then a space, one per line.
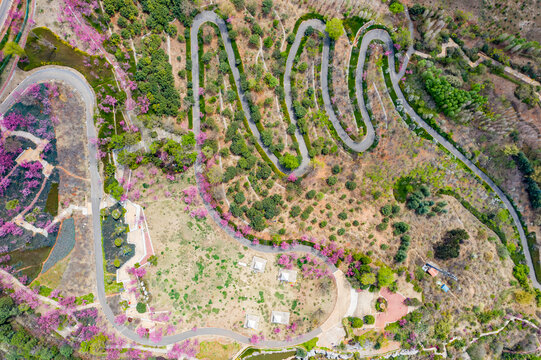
114, 236
204, 277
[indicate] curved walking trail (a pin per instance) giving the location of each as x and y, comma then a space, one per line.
77, 81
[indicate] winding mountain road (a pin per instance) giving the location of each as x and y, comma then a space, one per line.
77, 81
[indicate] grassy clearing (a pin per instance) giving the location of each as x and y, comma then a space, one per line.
213, 350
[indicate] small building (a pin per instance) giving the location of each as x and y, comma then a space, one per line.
445, 288
251, 322
430, 270
280, 317
258, 264
433, 272
289, 276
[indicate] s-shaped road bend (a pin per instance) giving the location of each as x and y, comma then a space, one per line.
77, 81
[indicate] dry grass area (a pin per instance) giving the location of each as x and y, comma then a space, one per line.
201, 279
482, 275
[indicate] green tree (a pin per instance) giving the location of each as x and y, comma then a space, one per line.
334, 28
400, 228
266, 6
66, 350
355, 322
386, 210
385, 276
449, 246
396, 7
369, 319
368, 278
289, 161
295, 211
332, 180
141, 308
311, 194
12, 48
7, 309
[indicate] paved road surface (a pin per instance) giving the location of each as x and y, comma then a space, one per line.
75, 79
5, 5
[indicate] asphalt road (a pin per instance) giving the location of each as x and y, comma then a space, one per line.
4, 10
77, 81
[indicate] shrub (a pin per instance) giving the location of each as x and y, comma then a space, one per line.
526, 93
306, 213
311, 194
523, 297
502, 251
118, 242
412, 302
343, 215
240, 198
116, 263
141, 308
382, 226
386, 210
369, 319
295, 211
355, 322
116, 213
336, 169
351, 185
520, 272
400, 228
332, 180
310, 344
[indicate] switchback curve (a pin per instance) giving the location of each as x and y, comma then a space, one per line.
75, 79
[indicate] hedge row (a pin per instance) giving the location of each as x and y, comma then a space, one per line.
187, 35
202, 106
